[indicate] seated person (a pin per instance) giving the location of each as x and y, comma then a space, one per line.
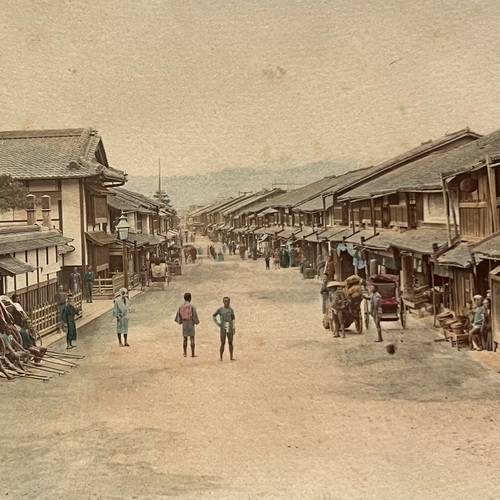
28, 341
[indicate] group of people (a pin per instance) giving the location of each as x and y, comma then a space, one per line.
223, 317
18, 343
186, 316
283, 257
478, 317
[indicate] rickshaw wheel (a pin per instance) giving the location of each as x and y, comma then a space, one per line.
402, 313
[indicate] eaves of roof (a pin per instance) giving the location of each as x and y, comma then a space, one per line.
21, 242
424, 174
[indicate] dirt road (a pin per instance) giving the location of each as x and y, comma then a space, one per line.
297, 415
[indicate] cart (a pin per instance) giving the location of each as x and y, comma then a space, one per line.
17, 315
341, 312
391, 302
160, 273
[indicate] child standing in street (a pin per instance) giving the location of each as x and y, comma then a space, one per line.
226, 325
188, 318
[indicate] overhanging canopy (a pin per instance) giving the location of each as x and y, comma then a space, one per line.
10, 266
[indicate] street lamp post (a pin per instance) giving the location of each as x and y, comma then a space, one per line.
122, 228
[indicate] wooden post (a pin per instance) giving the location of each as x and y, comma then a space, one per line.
372, 210
352, 216
447, 208
454, 215
323, 197
492, 194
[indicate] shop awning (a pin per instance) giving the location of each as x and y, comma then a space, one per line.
489, 248
421, 240
459, 256
10, 266
101, 238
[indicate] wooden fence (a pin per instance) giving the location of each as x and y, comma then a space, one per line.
107, 288
46, 317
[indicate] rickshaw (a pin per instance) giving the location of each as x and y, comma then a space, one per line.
160, 273
391, 302
341, 312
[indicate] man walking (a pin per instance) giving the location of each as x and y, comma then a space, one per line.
88, 280
188, 318
226, 324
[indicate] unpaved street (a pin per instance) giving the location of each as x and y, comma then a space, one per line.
297, 415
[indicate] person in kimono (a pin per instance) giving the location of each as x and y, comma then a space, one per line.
68, 314
121, 309
75, 281
188, 318
88, 280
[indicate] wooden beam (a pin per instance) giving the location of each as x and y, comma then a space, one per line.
447, 208
492, 194
372, 210
454, 215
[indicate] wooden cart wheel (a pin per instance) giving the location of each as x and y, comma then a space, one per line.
367, 314
402, 313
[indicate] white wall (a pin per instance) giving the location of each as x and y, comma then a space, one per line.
434, 208
72, 221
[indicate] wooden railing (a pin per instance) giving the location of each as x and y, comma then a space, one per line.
105, 288
46, 317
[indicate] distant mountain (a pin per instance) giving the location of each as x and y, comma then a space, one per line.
202, 189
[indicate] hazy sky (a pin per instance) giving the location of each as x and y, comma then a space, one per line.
211, 84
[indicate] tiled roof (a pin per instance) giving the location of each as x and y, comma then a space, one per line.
421, 240
144, 239
262, 195
489, 248
459, 256
101, 238
20, 242
423, 150
339, 235
292, 198
424, 174
288, 231
11, 266
53, 154
123, 199
306, 231
381, 241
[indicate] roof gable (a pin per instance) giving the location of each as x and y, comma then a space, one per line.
49, 154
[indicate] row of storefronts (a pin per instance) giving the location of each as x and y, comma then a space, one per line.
430, 216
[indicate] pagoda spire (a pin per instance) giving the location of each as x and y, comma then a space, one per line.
159, 175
